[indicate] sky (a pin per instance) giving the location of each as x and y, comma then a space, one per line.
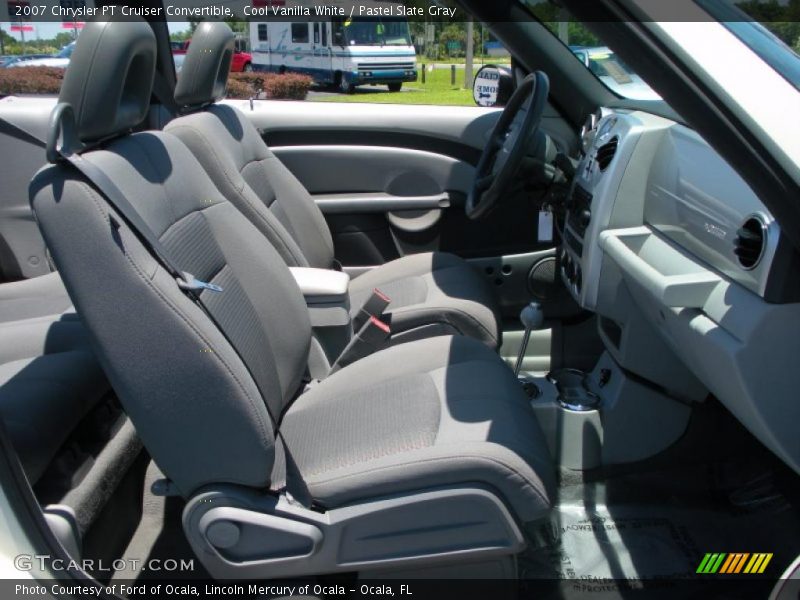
50, 30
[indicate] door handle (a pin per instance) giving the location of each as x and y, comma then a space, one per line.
379, 202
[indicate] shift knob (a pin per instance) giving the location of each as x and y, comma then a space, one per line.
532, 316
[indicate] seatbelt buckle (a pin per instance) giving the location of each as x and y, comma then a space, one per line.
370, 338
374, 306
190, 283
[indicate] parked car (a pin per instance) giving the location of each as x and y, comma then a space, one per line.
60, 59
612, 71
7, 61
242, 59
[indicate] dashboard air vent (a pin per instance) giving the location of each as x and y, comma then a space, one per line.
606, 152
750, 241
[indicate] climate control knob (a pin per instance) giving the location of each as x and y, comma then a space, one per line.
584, 218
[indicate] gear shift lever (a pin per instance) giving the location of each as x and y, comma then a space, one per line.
532, 317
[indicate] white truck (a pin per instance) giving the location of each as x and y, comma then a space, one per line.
337, 50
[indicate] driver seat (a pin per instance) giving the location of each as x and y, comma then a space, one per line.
431, 294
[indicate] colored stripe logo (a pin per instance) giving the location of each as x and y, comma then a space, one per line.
734, 563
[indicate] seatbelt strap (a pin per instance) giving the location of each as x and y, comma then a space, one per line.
163, 93
370, 338
104, 184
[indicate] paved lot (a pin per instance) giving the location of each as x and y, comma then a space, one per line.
364, 90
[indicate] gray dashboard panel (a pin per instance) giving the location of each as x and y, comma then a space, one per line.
697, 200
659, 251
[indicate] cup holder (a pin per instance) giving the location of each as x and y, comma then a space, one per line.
572, 391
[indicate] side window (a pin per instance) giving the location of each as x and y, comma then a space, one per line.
262, 32
432, 63
337, 32
300, 33
316, 33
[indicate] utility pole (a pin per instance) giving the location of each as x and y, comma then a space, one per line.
563, 26
470, 56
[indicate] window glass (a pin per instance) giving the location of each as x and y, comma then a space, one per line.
300, 33
262, 32
590, 51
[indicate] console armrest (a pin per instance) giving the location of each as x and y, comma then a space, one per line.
321, 282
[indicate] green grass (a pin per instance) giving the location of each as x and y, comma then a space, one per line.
478, 61
436, 90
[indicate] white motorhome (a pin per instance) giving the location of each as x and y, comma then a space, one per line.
339, 51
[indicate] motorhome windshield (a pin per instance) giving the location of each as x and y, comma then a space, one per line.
382, 32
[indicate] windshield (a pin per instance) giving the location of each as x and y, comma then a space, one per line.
770, 29
382, 32
589, 49
612, 71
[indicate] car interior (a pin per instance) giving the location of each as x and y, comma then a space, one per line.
553, 340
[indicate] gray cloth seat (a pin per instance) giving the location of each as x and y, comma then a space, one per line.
431, 294
206, 387
31, 298
49, 378
42, 400
440, 411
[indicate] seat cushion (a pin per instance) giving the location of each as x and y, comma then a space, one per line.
430, 413
37, 297
432, 294
43, 399
50, 334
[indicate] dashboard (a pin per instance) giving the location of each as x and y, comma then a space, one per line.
693, 285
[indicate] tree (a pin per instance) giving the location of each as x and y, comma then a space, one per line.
237, 25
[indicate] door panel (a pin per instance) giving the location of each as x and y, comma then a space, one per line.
22, 249
344, 152
392, 180
335, 169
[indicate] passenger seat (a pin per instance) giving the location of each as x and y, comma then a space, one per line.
431, 294
426, 453
49, 377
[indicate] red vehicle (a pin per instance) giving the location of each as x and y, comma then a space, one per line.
242, 59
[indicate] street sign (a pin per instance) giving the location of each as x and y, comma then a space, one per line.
21, 28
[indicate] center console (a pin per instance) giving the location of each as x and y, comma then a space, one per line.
608, 415
617, 155
325, 293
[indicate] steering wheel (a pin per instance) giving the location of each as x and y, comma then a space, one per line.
507, 145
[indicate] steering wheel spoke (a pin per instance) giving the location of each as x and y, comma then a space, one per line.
484, 183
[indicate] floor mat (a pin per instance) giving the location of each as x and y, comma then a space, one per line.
597, 541
159, 536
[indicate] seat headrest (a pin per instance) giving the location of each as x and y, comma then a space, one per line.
110, 78
204, 75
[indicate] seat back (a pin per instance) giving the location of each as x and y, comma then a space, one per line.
238, 160
199, 390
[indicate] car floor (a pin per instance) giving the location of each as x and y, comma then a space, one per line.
723, 492
159, 535
710, 493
